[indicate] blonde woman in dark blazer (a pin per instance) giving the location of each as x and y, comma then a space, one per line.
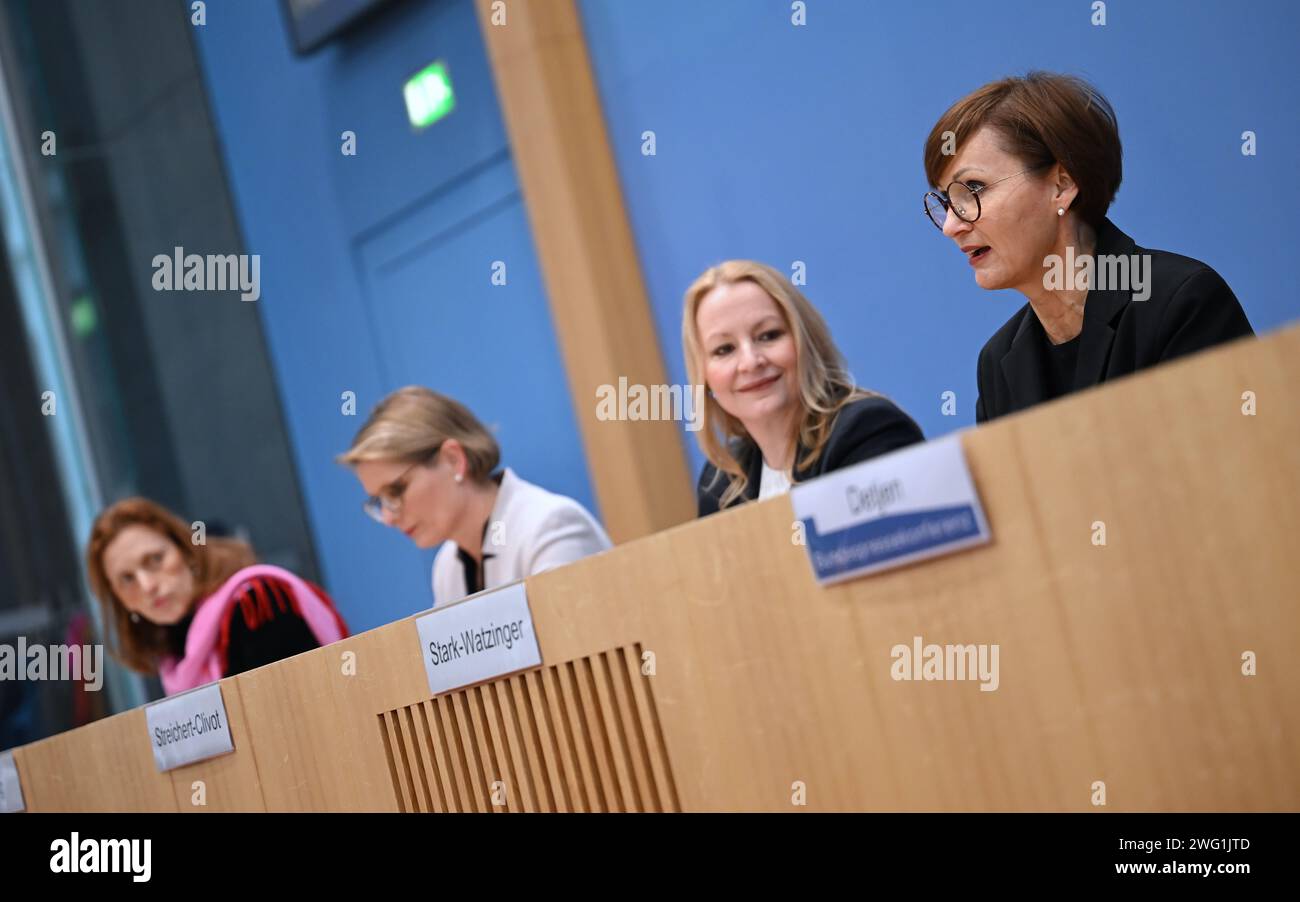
781, 406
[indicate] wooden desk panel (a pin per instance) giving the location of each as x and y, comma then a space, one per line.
701, 668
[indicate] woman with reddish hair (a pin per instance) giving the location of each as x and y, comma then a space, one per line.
196, 610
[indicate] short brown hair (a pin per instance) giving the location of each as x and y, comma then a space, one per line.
1042, 118
140, 644
411, 422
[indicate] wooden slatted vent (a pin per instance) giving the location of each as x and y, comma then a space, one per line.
579, 736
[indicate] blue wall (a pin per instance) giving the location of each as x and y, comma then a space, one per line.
376, 268
776, 142
786, 143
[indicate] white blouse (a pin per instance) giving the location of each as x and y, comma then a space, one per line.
530, 530
772, 483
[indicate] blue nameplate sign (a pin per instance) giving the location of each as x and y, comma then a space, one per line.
915, 503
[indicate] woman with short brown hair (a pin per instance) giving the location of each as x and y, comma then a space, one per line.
1028, 168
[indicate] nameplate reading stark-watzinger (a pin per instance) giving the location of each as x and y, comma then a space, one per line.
916, 503
482, 638
189, 727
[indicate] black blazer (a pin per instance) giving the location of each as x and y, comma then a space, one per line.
865, 428
1190, 308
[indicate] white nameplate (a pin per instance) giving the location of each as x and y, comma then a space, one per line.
916, 503
11, 790
189, 727
481, 638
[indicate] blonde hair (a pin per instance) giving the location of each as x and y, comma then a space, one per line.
825, 384
412, 422
141, 644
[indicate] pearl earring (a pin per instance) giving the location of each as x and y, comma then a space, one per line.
459, 477
1060, 211
135, 618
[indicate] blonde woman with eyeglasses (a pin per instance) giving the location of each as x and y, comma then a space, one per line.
430, 469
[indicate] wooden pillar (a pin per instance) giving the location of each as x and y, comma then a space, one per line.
588, 259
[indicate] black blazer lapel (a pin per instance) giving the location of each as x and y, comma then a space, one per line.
1102, 310
1099, 317
752, 461
1024, 367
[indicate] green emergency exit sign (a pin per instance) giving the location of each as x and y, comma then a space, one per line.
428, 95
